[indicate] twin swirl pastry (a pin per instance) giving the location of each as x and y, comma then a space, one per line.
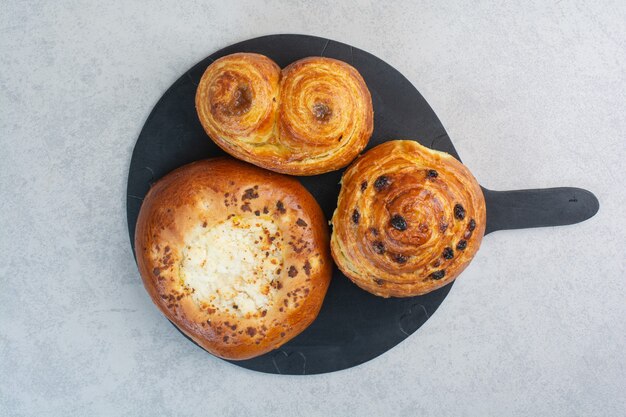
312, 117
408, 220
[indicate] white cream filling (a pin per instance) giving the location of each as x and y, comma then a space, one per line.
230, 266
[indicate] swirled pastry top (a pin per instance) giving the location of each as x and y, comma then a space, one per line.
312, 117
235, 256
409, 220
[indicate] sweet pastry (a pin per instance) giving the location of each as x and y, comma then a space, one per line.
236, 256
408, 221
312, 117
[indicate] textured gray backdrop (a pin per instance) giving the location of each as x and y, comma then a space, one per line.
533, 95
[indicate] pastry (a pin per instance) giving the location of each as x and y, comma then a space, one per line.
235, 256
408, 220
312, 117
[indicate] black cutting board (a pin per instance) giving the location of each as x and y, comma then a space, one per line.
353, 325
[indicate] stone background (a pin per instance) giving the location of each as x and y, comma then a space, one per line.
533, 95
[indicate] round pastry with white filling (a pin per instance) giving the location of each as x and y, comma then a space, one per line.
235, 256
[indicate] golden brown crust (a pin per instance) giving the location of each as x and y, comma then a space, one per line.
408, 221
313, 117
210, 193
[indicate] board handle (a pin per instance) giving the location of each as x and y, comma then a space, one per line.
521, 209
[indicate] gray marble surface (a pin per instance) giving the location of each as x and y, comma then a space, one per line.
533, 95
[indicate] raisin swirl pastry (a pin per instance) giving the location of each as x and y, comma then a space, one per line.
235, 256
312, 117
408, 221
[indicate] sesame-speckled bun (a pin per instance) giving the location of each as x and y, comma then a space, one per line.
235, 256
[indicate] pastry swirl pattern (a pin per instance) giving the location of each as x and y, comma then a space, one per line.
312, 117
408, 221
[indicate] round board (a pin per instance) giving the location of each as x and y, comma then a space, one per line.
353, 326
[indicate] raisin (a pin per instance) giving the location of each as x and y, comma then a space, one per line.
379, 282
472, 225
355, 216
363, 186
461, 245
448, 253
438, 274
379, 247
459, 212
432, 173
321, 112
398, 222
399, 258
381, 183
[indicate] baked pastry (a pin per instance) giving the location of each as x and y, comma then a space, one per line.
236, 256
408, 221
314, 116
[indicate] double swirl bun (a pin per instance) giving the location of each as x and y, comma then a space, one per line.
408, 221
312, 117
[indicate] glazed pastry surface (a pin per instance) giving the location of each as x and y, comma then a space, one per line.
312, 117
408, 221
235, 256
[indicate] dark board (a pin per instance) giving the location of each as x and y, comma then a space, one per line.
353, 325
